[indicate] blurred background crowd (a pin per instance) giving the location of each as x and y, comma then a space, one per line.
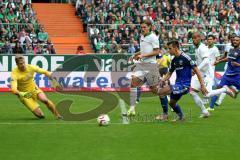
113, 25
20, 32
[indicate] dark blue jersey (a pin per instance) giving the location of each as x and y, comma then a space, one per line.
233, 56
183, 65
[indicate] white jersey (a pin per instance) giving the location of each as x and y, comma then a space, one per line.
147, 44
213, 53
201, 53
227, 49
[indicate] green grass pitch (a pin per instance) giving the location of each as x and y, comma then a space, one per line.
24, 137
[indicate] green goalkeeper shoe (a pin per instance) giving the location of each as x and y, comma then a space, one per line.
131, 112
210, 109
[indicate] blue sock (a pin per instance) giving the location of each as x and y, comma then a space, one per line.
178, 110
164, 103
213, 101
138, 93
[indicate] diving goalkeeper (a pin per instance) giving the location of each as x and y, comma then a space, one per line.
23, 85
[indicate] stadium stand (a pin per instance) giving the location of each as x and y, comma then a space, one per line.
113, 25
63, 26
20, 31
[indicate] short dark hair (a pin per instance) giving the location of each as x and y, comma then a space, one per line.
232, 35
174, 43
147, 22
212, 36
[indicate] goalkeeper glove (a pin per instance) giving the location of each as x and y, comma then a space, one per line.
55, 84
25, 95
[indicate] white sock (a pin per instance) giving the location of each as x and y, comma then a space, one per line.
133, 98
216, 92
198, 101
221, 97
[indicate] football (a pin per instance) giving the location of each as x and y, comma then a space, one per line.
103, 120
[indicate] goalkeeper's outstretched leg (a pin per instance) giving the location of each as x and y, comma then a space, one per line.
50, 105
38, 113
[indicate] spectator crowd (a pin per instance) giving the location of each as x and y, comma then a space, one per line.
113, 25
20, 32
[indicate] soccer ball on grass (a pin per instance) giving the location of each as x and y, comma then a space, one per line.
103, 120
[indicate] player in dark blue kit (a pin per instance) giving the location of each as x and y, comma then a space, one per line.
183, 65
231, 77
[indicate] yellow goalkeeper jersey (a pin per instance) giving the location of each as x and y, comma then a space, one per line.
24, 81
164, 61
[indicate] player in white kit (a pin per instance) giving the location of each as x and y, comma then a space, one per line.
213, 56
147, 69
203, 64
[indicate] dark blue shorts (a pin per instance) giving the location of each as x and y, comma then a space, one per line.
178, 90
233, 80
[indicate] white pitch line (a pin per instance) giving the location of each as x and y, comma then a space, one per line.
64, 123
80, 123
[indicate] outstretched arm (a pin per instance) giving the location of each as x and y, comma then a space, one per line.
53, 81
221, 60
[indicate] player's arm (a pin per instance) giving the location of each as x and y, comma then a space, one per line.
151, 54
54, 82
236, 64
168, 61
221, 60
14, 86
167, 76
203, 88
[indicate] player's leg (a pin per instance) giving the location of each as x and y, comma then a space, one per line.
163, 99
38, 113
164, 104
136, 82
175, 92
176, 107
138, 94
50, 105
214, 98
198, 101
235, 84
162, 93
224, 86
33, 106
220, 99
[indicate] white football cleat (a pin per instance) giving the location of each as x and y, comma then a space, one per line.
205, 114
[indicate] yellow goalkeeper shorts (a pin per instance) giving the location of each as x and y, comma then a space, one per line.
31, 103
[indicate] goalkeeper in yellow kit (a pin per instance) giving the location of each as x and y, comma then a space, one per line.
23, 85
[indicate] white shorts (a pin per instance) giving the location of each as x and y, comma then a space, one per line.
195, 84
147, 72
